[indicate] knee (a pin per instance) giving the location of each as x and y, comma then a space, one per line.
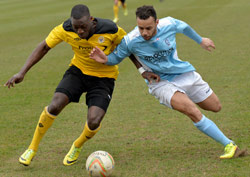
95, 116
194, 114
93, 123
59, 101
54, 109
217, 108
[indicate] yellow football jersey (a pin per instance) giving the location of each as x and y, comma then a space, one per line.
107, 36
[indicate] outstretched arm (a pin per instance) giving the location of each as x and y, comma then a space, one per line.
99, 56
205, 43
35, 56
184, 28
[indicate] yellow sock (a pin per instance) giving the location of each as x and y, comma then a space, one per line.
116, 11
45, 121
85, 136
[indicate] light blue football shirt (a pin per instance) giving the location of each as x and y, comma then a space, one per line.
158, 54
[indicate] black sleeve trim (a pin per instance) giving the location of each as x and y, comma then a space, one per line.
67, 26
105, 26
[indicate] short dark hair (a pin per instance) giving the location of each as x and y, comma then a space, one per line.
80, 10
144, 12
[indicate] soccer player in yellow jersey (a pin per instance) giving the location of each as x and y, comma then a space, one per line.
82, 32
117, 4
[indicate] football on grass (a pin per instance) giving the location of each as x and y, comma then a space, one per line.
100, 163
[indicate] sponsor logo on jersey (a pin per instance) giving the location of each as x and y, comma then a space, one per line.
85, 49
159, 56
77, 39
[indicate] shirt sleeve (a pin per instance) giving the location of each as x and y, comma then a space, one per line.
120, 34
120, 52
54, 37
182, 27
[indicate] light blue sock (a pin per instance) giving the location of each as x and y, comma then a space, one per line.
208, 127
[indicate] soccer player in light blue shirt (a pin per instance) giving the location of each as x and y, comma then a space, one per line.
180, 87
157, 52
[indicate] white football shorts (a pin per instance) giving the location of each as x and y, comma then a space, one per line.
189, 83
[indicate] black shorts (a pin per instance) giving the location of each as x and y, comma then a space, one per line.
75, 83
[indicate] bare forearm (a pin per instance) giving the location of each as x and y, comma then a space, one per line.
135, 61
35, 57
150, 76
